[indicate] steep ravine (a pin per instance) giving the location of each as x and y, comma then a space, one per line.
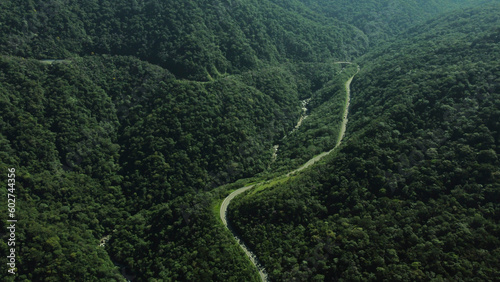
227, 200
299, 123
305, 115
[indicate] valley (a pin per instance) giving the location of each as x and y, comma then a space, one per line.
227, 200
309, 140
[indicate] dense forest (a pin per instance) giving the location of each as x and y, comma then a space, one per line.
128, 122
414, 193
193, 39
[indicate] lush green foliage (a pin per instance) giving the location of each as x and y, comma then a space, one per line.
192, 39
156, 103
114, 135
414, 192
382, 20
59, 132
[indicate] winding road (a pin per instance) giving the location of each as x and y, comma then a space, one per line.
223, 217
227, 200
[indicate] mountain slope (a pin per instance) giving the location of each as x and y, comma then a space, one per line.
413, 194
192, 39
384, 20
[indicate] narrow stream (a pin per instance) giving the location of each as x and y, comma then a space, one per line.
304, 115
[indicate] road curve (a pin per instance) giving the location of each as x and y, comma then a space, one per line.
227, 200
223, 217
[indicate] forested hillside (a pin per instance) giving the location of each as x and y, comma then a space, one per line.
192, 39
125, 144
378, 20
414, 192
